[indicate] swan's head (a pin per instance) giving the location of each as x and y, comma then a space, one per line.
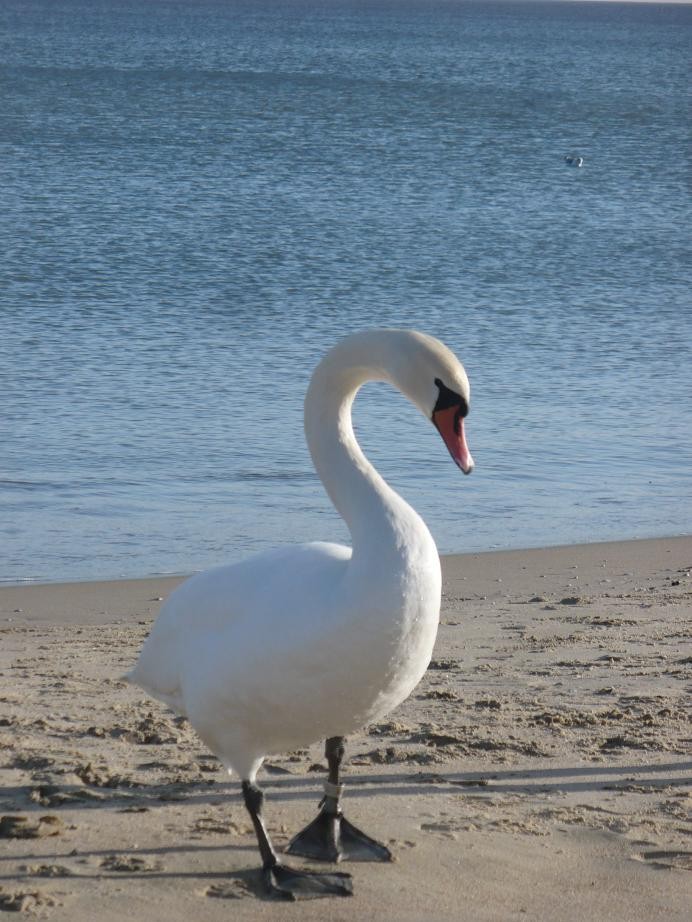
420, 366
434, 379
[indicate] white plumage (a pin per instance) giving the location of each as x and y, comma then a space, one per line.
314, 641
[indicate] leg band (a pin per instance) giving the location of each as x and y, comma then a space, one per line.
333, 790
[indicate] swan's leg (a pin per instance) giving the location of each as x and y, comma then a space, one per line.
280, 881
330, 837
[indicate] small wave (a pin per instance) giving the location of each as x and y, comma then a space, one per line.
29, 485
273, 476
18, 580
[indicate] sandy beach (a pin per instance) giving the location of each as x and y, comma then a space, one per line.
540, 771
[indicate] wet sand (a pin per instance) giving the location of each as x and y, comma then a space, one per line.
540, 771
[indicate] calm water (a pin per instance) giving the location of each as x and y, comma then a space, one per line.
196, 200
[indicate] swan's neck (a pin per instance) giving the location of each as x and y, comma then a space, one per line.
376, 516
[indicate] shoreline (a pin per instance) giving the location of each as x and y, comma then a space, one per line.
540, 770
483, 570
17, 582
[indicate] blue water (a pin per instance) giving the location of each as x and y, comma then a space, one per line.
197, 200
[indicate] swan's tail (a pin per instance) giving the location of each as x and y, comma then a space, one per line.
172, 697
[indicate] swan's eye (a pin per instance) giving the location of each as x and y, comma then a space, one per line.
448, 398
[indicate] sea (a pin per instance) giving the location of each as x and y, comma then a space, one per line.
197, 199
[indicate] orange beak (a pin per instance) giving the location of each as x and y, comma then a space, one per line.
450, 425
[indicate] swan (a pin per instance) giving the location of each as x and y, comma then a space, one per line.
574, 161
315, 641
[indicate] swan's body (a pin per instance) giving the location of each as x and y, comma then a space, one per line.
255, 677
316, 640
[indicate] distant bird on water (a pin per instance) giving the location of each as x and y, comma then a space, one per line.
574, 161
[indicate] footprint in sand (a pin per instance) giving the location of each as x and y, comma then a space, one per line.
443, 829
130, 864
48, 870
25, 900
233, 890
667, 859
25, 827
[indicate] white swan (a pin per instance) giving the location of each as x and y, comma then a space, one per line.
314, 641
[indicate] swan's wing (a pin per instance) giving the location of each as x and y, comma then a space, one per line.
263, 592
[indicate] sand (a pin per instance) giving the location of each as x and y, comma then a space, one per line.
540, 771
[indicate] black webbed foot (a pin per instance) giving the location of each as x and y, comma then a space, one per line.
356, 845
319, 840
288, 883
330, 837
293, 884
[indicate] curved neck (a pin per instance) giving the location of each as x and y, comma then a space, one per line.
374, 513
